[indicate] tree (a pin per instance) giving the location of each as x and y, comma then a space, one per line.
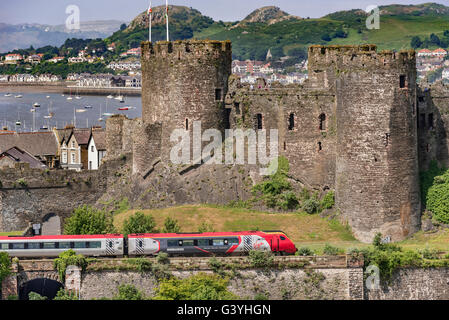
5, 265
88, 220
434, 39
139, 223
326, 37
171, 226
129, 292
416, 42
198, 287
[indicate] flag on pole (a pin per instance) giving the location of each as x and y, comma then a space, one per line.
166, 18
150, 12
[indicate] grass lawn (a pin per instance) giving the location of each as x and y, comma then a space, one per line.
305, 230
12, 233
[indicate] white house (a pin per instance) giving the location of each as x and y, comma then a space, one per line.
96, 148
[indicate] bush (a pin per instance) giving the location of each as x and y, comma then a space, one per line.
197, 287
437, 199
275, 190
65, 295
304, 251
328, 201
129, 292
88, 220
261, 259
139, 223
331, 250
162, 258
171, 226
311, 205
35, 296
69, 258
5, 265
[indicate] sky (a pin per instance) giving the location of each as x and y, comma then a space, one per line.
53, 12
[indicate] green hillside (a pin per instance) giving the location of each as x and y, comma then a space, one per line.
271, 28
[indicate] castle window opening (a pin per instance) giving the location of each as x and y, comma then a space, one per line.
320, 146
228, 118
218, 95
291, 121
322, 122
402, 81
237, 107
187, 124
259, 124
430, 121
170, 47
285, 146
387, 139
421, 99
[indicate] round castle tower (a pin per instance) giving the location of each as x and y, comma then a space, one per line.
377, 174
183, 82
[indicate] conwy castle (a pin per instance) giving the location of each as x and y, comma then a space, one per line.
359, 125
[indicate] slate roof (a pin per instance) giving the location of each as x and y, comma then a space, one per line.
82, 136
19, 155
99, 137
38, 144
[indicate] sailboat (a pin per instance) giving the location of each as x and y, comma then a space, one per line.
70, 98
100, 119
7, 95
106, 114
110, 96
77, 95
36, 105
119, 97
50, 114
18, 96
18, 122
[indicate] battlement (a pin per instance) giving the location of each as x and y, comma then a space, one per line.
321, 55
181, 48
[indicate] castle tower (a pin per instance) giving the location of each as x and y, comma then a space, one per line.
377, 175
183, 82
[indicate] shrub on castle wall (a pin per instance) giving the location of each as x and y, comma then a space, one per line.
437, 199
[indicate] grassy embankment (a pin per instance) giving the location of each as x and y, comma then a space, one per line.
305, 230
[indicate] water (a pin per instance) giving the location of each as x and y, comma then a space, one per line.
65, 111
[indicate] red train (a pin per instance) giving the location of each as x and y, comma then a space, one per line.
175, 244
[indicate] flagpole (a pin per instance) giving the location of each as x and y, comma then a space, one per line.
166, 18
151, 18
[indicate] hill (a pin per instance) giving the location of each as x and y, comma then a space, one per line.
39, 35
285, 34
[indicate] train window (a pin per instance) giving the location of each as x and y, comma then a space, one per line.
188, 243
4, 246
64, 245
203, 242
34, 245
218, 242
282, 238
79, 245
233, 241
49, 245
97, 244
16, 246
172, 243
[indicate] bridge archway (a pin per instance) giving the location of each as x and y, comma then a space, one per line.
43, 286
51, 225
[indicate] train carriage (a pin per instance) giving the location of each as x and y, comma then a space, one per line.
212, 243
53, 246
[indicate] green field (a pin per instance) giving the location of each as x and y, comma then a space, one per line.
305, 230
